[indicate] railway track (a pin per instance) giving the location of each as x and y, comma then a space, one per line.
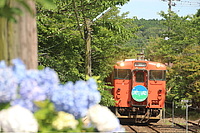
162, 128
192, 127
130, 126
141, 129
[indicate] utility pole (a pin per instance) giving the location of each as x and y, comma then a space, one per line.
170, 5
88, 39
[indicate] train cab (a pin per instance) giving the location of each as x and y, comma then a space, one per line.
139, 84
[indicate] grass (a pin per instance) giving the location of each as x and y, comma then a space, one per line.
181, 113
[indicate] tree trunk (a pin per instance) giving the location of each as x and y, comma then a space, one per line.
19, 40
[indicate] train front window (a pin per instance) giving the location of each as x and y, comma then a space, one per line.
122, 74
140, 77
157, 75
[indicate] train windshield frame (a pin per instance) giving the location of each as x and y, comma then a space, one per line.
122, 74
157, 75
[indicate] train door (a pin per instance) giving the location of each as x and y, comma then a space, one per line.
140, 78
139, 87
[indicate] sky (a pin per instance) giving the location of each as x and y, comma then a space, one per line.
149, 9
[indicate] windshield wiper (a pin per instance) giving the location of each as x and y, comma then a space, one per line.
154, 79
126, 77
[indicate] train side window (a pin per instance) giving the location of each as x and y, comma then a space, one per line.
157, 75
139, 76
122, 74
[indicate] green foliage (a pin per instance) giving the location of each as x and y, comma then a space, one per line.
180, 112
186, 74
179, 47
173, 40
45, 115
47, 4
61, 38
107, 98
9, 12
10, 9
4, 105
109, 38
147, 30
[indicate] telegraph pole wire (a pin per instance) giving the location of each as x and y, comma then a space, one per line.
181, 3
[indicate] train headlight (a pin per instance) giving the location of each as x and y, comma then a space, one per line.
158, 65
122, 64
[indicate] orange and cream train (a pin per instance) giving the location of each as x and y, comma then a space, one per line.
139, 90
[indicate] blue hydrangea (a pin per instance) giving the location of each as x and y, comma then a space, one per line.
32, 85
37, 85
81, 99
94, 95
26, 103
76, 98
20, 86
2, 64
30, 89
48, 80
19, 69
62, 97
8, 85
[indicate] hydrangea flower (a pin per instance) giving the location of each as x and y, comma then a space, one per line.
18, 119
81, 99
25, 103
49, 80
19, 69
79, 96
8, 84
94, 96
103, 119
65, 120
34, 85
2, 64
62, 97
29, 89
37, 85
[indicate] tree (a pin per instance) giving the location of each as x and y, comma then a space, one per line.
19, 39
62, 41
177, 37
181, 48
147, 30
18, 31
185, 75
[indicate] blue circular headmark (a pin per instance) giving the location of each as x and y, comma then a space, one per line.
139, 93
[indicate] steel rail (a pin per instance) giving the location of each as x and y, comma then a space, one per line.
181, 126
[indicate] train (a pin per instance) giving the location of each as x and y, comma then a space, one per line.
139, 89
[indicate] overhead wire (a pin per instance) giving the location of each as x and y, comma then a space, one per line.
187, 3
179, 5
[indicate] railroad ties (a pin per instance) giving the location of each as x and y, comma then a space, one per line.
141, 129
193, 127
162, 127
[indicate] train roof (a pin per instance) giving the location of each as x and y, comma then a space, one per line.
144, 64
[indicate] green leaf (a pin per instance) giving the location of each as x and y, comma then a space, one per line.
48, 4
25, 5
2, 3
